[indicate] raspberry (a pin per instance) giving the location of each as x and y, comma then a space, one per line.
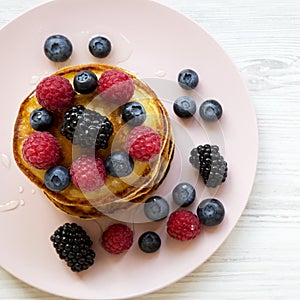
143, 143
88, 173
117, 238
41, 150
183, 225
55, 93
115, 86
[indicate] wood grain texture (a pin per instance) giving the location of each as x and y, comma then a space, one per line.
260, 259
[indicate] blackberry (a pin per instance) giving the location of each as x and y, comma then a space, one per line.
86, 128
73, 245
211, 165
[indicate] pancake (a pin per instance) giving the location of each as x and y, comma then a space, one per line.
116, 194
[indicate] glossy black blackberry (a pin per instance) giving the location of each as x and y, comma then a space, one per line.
211, 165
73, 245
86, 128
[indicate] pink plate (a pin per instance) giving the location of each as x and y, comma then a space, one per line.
156, 43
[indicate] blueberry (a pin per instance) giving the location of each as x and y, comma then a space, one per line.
133, 113
184, 107
184, 194
85, 82
99, 46
58, 48
119, 164
188, 79
156, 208
41, 119
149, 242
57, 178
210, 212
210, 110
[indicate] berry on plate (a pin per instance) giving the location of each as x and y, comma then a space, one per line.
133, 113
156, 208
41, 150
100, 46
143, 143
88, 173
184, 194
117, 238
41, 119
86, 128
149, 242
211, 212
210, 110
184, 107
57, 178
58, 48
119, 164
183, 225
73, 245
55, 93
116, 86
188, 79
85, 82
210, 163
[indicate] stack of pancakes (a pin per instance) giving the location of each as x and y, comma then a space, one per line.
118, 193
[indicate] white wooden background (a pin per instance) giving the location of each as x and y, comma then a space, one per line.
261, 258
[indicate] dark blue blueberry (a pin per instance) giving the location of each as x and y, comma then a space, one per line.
133, 113
156, 208
184, 194
210, 110
41, 119
149, 242
184, 107
85, 82
119, 164
188, 79
58, 48
57, 178
210, 212
99, 46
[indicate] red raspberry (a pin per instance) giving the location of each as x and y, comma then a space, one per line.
143, 143
88, 173
183, 225
117, 238
41, 150
55, 93
115, 86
